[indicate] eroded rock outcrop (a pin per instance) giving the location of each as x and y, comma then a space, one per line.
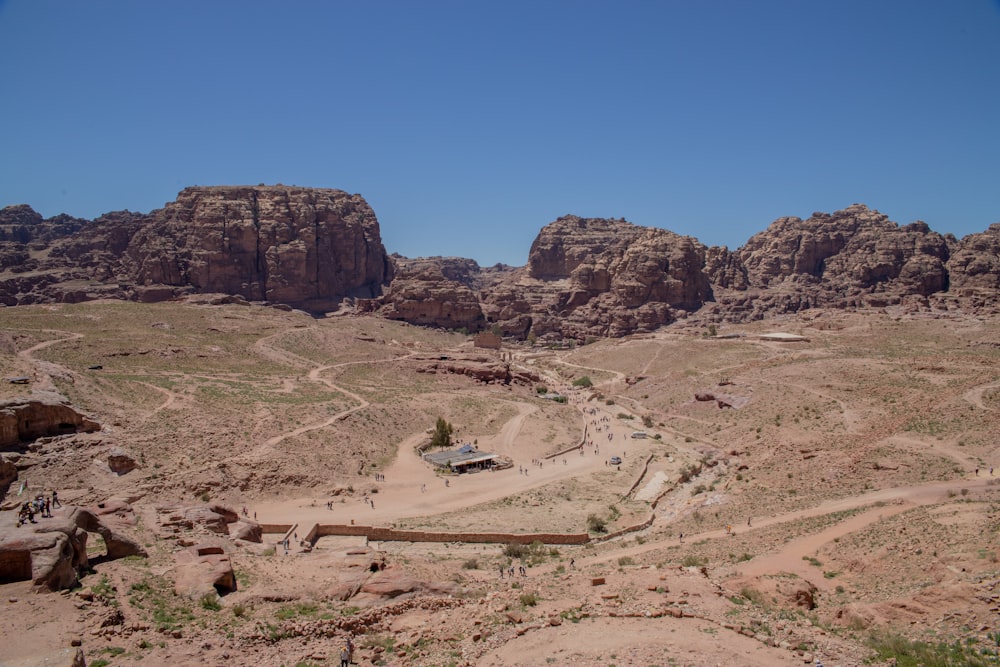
305, 247
975, 261
49, 553
592, 277
42, 414
431, 292
300, 246
585, 277
179, 521
203, 569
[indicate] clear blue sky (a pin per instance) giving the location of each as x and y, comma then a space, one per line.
469, 125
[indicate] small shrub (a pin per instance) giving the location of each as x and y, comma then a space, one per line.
210, 602
596, 524
583, 382
471, 564
694, 561
626, 560
528, 599
514, 550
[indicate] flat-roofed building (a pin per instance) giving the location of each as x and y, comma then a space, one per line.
464, 459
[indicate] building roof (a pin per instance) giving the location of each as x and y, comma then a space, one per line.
782, 336
457, 457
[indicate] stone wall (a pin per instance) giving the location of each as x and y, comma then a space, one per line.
383, 534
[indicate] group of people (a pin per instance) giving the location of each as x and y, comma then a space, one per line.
522, 570
41, 504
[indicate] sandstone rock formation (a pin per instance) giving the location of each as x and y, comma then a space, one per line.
975, 262
49, 553
299, 246
304, 247
120, 462
434, 292
203, 569
481, 368
8, 475
590, 277
180, 520
585, 277
42, 414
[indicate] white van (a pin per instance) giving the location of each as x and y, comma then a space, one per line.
638, 434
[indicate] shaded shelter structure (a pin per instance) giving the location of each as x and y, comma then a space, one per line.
464, 459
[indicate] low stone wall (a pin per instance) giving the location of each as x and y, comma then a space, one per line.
271, 528
635, 484
383, 534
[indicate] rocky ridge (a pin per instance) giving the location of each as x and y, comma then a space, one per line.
304, 247
321, 249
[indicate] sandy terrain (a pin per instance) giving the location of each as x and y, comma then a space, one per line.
844, 501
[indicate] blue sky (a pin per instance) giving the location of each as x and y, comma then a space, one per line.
468, 126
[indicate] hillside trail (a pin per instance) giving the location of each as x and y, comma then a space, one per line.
975, 395
886, 502
268, 350
945, 449
43, 380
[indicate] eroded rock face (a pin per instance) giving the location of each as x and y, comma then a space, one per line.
429, 292
25, 419
203, 569
50, 552
851, 250
300, 246
975, 261
120, 461
591, 277
181, 520
585, 277
305, 247
8, 474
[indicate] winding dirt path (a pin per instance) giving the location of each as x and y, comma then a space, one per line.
904, 497
975, 395
44, 378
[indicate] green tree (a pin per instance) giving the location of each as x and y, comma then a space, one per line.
583, 382
442, 433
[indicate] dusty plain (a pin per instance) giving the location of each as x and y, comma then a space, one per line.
834, 500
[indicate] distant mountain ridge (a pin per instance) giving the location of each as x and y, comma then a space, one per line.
321, 250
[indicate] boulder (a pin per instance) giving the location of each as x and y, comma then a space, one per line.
175, 520
50, 552
203, 569
121, 462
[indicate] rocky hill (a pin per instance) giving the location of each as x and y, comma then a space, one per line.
585, 277
303, 247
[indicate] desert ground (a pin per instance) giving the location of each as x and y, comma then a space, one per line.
825, 498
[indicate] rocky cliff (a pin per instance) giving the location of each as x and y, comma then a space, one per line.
585, 277
304, 247
590, 277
